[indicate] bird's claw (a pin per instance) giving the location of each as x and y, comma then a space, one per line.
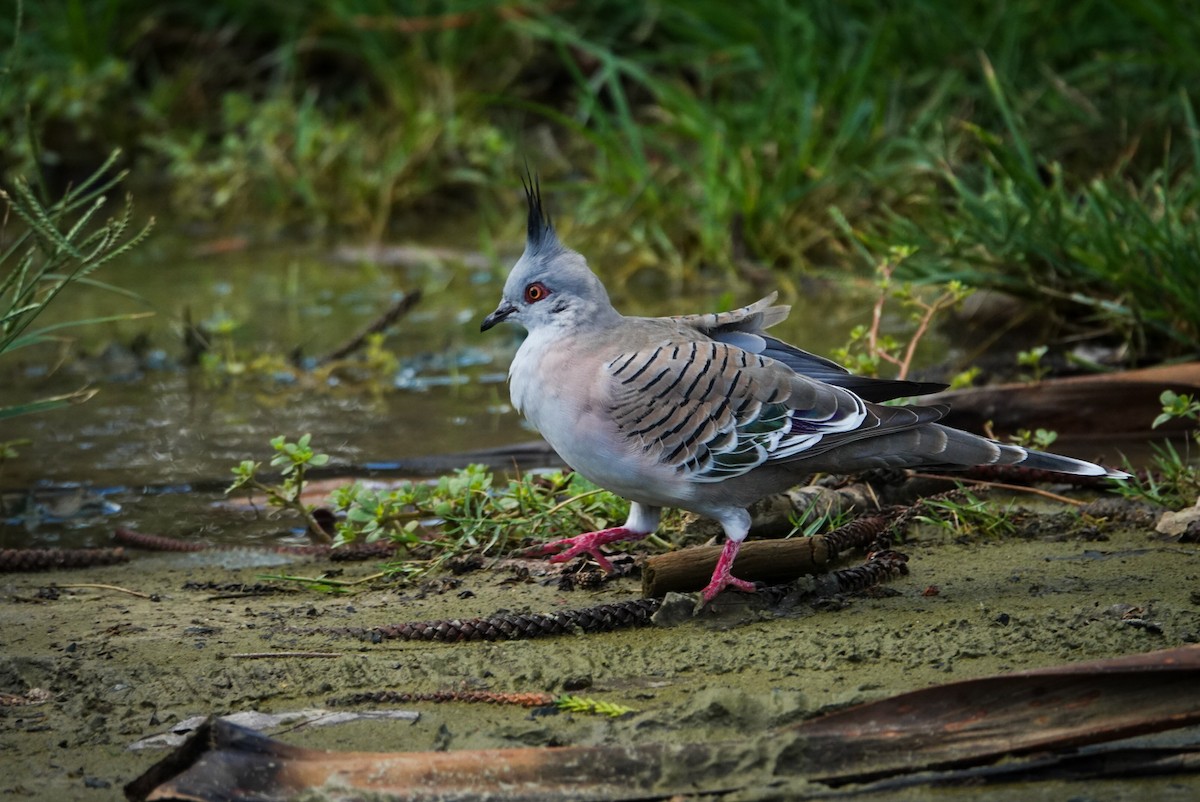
718, 584
582, 548
588, 543
723, 577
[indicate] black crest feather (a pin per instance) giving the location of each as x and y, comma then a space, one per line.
541, 230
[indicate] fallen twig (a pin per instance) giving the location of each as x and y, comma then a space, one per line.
511, 626
401, 697
151, 542
117, 588
1036, 491
770, 561
380, 323
347, 553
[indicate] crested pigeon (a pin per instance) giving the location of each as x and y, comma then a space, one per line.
706, 412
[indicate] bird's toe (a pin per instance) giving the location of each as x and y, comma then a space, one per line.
718, 584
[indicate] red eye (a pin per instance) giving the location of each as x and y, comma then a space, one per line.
535, 292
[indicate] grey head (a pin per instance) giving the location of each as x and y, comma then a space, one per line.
550, 285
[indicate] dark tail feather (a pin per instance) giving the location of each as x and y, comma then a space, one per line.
1041, 461
939, 447
962, 451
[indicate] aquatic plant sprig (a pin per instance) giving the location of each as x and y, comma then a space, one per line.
1032, 359
293, 459
1038, 438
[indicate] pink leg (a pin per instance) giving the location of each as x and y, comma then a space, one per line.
722, 576
587, 543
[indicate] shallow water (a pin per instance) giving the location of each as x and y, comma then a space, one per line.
154, 448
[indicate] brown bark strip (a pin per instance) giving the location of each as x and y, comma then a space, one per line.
348, 553
150, 542
15, 560
513, 626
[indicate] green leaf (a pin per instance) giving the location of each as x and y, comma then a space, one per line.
46, 404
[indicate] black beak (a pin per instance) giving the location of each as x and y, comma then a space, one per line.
502, 311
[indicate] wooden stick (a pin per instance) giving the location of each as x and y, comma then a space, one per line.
1035, 491
379, 324
772, 561
117, 588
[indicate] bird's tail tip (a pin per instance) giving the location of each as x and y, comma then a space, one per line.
1040, 460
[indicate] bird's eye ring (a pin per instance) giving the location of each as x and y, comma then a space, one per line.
535, 292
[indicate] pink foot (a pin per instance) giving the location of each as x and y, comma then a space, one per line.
722, 577
587, 543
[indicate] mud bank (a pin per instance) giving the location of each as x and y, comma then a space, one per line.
117, 668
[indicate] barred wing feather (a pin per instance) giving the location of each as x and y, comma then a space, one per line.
713, 410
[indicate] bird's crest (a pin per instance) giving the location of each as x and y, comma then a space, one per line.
541, 230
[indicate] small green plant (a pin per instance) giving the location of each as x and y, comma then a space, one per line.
1176, 406
466, 513
1032, 359
971, 515
372, 366
8, 448
461, 513
868, 347
1038, 438
8, 451
809, 522
221, 357
1173, 480
293, 460
965, 378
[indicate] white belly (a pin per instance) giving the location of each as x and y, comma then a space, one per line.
562, 395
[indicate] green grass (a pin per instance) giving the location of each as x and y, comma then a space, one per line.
57, 244
1118, 252
1045, 148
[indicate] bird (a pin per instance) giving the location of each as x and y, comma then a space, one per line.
704, 412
